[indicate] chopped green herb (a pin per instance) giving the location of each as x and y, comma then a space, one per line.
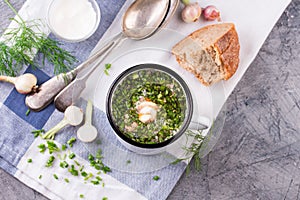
103, 184
128, 161
104, 198
84, 174
72, 155
81, 196
27, 112
95, 182
37, 132
55, 176
98, 178
77, 163
81, 168
156, 178
40, 176
88, 176
52, 147
71, 141
42, 148
99, 154
107, 67
73, 171
63, 147
50, 161
29, 160
91, 157
98, 142
64, 164
106, 169
66, 180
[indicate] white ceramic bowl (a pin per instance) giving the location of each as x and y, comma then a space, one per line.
73, 21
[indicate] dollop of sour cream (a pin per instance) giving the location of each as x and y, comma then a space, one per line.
72, 20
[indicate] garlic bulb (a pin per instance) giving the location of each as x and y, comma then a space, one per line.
24, 84
191, 12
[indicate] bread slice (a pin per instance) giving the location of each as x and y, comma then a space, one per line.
210, 53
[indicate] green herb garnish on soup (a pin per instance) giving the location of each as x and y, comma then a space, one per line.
148, 106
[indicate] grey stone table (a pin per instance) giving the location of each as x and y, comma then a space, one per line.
258, 154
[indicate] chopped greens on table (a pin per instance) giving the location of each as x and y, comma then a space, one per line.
75, 168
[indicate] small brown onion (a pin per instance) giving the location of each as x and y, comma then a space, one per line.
191, 12
211, 13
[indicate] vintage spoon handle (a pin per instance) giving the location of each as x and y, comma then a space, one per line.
49, 89
72, 92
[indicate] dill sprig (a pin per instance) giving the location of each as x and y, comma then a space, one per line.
20, 45
192, 150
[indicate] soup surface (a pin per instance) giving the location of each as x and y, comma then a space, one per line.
148, 106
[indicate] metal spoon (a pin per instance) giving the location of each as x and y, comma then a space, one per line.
140, 21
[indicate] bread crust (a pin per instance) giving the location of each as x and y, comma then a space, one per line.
224, 51
228, 48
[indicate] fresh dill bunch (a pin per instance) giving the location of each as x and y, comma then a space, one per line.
20, 45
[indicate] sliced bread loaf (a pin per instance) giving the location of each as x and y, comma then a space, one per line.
210, 53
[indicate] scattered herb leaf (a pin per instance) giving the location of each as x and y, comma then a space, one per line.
156, 178
81, 196
67, 180
50, 161
107, 67
27, 112
38, 132
63, 147
42, 148
64, 164
52, 147
71, 141
73, 171
29, 160
72, 155
55, 176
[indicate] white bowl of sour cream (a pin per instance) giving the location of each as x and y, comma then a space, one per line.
73, 21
